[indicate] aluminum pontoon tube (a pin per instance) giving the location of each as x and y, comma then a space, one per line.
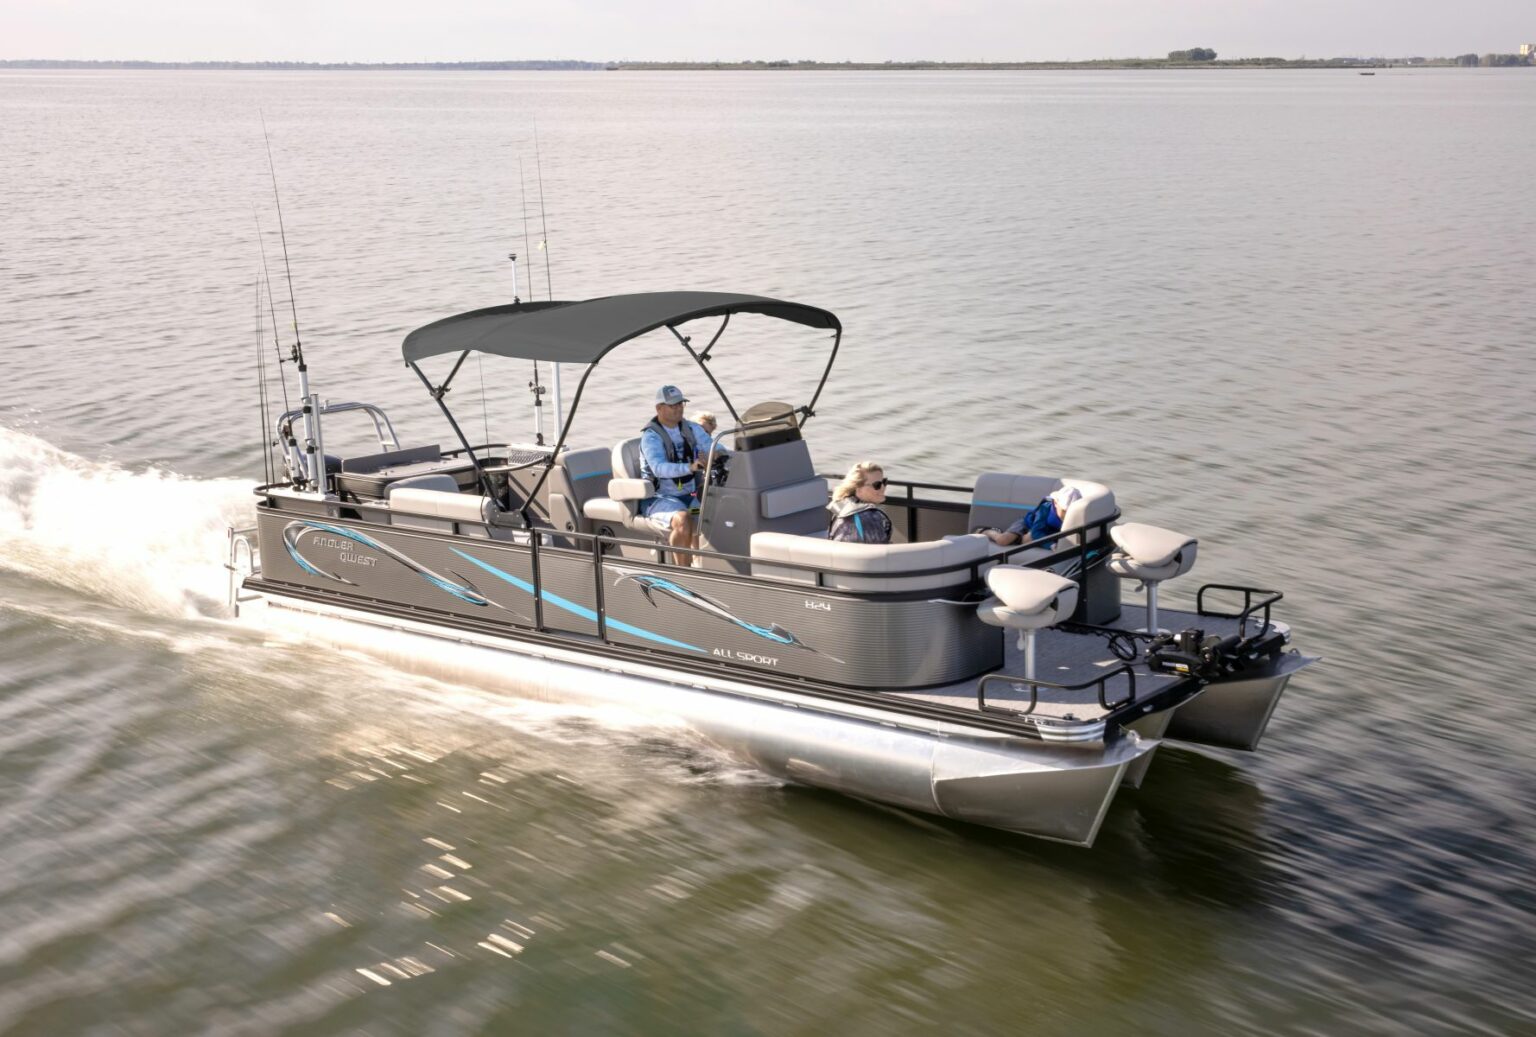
1233, 713
969, 774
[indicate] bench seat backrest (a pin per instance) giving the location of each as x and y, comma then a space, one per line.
867, 567
1000, 499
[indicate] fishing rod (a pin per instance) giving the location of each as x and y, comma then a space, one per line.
314, 453
535, 387
544, 245
261, 392
291, 454
527, 248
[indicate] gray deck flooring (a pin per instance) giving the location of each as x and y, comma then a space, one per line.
1068, 658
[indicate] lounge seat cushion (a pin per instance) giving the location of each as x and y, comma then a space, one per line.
440, 483
620, 509
391, 459
630, 489
587, 473
603, 509
453, 507
1000, 499
626, 459
867, 567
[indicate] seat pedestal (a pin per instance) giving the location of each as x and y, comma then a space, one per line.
1151, 555
1027, 600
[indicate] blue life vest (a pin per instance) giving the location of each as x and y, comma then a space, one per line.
1038, 522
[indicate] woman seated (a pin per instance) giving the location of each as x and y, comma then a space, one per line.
856, 516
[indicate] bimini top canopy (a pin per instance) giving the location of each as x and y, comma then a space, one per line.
584, 332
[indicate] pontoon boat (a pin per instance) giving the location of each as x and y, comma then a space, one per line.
1008, 687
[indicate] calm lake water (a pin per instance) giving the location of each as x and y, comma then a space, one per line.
1289, 312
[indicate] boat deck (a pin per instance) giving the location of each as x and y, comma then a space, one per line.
1072, 658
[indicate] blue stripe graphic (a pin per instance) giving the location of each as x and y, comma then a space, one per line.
589, 475
1003, 504
575, 609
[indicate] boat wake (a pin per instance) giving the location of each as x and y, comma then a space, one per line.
149, 546
149, 539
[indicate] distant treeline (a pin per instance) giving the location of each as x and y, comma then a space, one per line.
325, 66
1194, 58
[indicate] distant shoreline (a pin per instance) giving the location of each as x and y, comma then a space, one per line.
312, 66
711, 66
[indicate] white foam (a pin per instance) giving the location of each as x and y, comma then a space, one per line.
150, 539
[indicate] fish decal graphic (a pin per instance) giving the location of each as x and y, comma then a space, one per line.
461, 588
650, 585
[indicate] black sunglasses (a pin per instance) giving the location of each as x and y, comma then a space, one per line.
878, 484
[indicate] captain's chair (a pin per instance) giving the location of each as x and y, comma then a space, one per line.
620, 510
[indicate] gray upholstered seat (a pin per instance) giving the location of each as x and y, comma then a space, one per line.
1027, 600
391, 459
1150, 554
444, 511
620, 509
1000, 499
579, 476
441, 483
868, 567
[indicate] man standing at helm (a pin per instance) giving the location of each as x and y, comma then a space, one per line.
672, 454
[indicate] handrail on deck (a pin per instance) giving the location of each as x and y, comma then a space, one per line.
1250, 606
1002, 557
537, 538
1036, 683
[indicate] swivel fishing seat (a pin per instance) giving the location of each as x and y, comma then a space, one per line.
1027, 600
1150, 554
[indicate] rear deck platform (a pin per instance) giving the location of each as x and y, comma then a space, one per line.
1069, 657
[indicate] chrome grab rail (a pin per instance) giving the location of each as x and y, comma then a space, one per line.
239, 537
383, 428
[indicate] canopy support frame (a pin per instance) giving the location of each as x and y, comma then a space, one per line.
739, 304
554, 454
437, 393
809, 410
704, 367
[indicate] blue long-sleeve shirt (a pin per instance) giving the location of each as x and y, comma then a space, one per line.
672, 478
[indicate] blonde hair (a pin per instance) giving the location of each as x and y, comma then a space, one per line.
856, 477
705, 417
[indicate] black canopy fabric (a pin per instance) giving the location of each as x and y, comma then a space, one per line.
583, 332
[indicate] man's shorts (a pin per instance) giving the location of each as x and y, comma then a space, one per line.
659, 515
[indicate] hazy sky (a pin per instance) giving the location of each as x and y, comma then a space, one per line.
827, 30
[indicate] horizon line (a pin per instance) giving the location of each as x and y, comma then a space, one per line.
535, 64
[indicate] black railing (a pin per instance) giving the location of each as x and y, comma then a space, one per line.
1250, 606
1034, 684
540, 539
974, 567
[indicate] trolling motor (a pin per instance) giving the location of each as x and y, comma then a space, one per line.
1192, 653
